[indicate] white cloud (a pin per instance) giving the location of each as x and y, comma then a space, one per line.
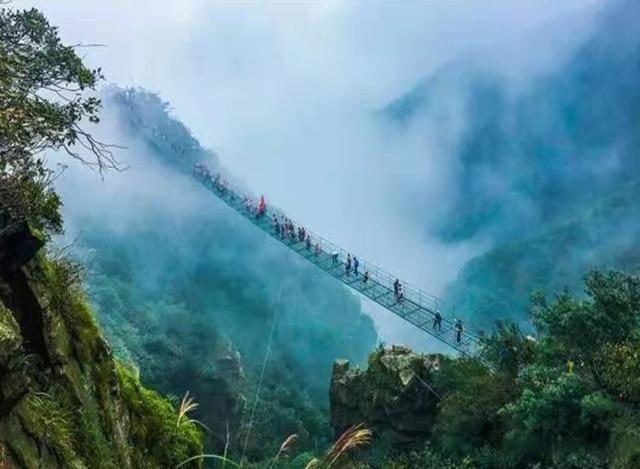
284, 91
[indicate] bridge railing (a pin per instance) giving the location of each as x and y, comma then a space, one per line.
413, 297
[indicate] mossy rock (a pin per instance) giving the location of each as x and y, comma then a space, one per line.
10, 339
391, 397
161, 439
81, 410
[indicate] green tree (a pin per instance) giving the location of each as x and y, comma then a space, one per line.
468, 417
44, 102
620, 370
581, 328
508, 350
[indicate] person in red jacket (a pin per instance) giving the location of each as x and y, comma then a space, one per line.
262, 207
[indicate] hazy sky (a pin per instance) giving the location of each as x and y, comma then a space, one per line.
227, 64
284, 92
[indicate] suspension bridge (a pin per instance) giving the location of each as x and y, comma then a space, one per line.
416, 306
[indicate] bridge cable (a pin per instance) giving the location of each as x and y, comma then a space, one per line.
262, 373
428, 388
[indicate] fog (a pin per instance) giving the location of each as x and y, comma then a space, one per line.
288, 95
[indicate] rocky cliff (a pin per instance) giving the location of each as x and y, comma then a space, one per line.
64, 401
393, 397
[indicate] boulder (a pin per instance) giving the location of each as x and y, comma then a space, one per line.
18, 245
393, 397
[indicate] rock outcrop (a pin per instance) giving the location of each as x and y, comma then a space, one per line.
64, 401
393, 397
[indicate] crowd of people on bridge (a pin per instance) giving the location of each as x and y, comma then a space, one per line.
258, 209
286, 230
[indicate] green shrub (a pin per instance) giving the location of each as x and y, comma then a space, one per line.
44, 417
158, 439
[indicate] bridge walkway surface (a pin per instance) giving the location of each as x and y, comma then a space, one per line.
417, 306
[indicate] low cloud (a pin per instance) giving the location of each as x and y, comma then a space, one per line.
288, 95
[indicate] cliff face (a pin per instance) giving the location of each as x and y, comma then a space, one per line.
393, 397
64, 401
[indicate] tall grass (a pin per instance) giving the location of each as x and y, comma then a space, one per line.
209, 456
355, 437
285, 448
43, 416
188, 405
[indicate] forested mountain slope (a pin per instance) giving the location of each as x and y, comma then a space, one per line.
498, 284
537, 153
189, 292
546, 173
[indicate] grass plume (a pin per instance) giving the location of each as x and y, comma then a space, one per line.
188, 405
286, 447
354, 437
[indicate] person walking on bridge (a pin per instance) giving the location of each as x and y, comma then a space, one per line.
347, 265
262, 207
437, 321
308, 243
366, 278
276, 225
396, 288
356, 263
400, 298
459, 329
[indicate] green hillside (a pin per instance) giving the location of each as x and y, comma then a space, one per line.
498, 284
188, 292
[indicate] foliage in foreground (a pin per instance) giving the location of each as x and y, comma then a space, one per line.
43, 104
157, 432
63, 404
569, 398
353, 439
